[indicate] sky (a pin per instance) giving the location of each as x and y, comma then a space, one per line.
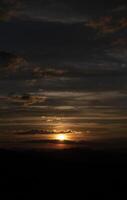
63, 68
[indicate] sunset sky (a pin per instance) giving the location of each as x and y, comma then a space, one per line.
63, 70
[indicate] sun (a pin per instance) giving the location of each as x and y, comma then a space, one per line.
61, 137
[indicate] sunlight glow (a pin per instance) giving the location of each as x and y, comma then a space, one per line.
61, 137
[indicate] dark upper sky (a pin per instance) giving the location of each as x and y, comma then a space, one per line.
65, 60
75, 35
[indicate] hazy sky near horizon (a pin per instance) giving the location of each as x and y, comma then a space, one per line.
63, 68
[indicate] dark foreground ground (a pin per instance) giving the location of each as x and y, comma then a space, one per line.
76, 170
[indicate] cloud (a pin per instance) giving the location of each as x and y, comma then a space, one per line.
44, 131
119, 42
107, 24
56, 11
66, 11
16, 67
120, 8
26, 100
62, 11
8, 9
119, 50
10, 63
51, 11
48, 72
19, 67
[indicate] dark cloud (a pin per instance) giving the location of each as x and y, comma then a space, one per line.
25, 100
18, 68
8, 9
28, 99
56, 50
107, 25
120, 42
11, 63
66, 11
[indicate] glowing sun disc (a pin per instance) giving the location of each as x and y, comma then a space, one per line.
61, 137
